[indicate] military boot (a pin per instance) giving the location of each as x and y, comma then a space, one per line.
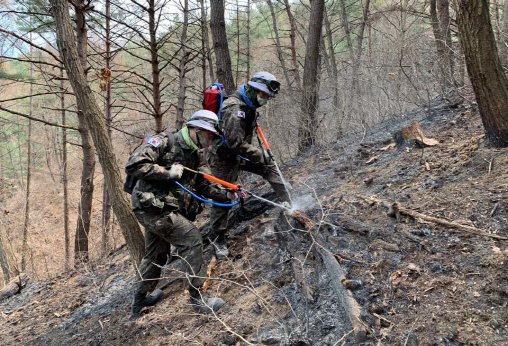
140, 301
202, 304
221, 247
205, 305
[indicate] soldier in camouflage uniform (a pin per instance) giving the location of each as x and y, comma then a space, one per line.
166, 211
236, 152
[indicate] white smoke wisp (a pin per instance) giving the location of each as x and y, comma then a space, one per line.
303, 203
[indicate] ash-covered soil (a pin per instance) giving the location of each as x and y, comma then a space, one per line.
421, 283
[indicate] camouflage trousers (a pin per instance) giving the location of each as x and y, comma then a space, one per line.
162, 231
228, 170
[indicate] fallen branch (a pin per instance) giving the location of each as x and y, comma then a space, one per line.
14, 286
337, 274
396, 208
349, 302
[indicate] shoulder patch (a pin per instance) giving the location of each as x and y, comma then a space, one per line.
155, 142
241, 114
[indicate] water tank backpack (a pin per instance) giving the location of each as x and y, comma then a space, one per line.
213, 98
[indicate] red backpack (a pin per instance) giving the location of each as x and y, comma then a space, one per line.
213, 98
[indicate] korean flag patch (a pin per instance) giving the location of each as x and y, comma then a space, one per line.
241, 114
154, 142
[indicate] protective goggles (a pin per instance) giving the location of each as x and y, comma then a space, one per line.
272, 85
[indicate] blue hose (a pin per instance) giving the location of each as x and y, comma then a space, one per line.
205, 200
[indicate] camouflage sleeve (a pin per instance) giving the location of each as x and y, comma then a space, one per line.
206, 187
142, 163
234, 134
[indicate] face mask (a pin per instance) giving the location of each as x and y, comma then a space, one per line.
203, 142
262, 101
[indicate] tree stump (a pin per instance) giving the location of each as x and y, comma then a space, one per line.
14, 286
413, 134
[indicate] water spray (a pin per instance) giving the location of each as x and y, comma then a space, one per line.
269, 151
268, 201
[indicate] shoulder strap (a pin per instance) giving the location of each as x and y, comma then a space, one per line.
171, 138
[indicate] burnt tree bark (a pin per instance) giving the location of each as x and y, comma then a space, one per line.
220, 45
88, 166
484, 68
95, 122
308, 119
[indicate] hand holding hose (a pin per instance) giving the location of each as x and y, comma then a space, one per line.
176, 171
233, 194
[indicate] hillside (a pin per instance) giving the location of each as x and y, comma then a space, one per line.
421, 283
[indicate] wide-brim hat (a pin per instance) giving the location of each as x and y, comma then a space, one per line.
204, 119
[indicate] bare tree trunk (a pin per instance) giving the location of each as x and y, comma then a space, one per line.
64, 175
497, 33
461, 67
444, 20
292, 36
247, 73
26, 223
277, 43
349, 41
503, 42
182, 68
333, 63
95, 122
442, 57
238, 53
206, 41
308, 120
7, 262
7, 259
154, 60
204, 38
361, 31
106, 201
220, 45
325, 57
484, 68
88, 168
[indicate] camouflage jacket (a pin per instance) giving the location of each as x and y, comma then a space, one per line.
238, 122
155, 192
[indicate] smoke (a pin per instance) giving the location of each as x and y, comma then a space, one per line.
303, 203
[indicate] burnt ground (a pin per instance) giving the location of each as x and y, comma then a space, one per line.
422, 283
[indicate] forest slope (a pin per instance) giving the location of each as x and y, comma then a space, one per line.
422, 283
